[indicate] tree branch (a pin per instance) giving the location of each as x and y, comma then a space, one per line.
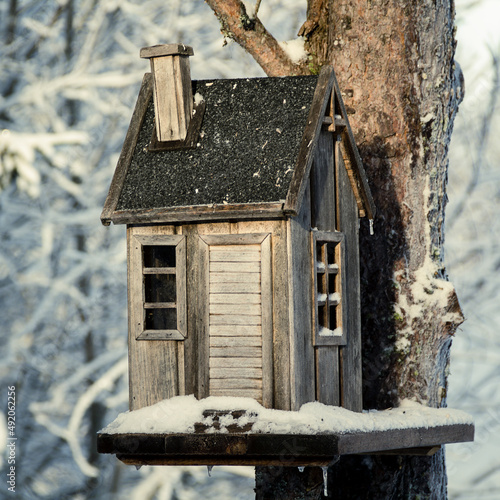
251, 34
313, 17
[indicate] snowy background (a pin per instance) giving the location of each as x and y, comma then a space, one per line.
70, 77
473, 252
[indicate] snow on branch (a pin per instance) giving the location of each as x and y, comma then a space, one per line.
18, 153
250, 33
43, 412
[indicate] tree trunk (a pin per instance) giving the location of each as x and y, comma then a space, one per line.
394, 63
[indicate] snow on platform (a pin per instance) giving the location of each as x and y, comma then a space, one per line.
181, 413
168, 432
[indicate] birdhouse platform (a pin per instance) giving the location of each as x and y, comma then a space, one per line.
246, 437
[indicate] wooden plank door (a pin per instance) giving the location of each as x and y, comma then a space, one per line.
239, 306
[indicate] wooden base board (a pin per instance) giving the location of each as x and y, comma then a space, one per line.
275, 449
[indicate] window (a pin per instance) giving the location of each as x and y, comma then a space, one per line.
158, 287
327, 261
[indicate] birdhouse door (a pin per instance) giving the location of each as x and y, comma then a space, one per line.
239, 321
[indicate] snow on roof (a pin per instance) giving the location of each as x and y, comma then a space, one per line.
179, 414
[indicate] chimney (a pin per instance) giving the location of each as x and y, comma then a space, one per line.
173, 96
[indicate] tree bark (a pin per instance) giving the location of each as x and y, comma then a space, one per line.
394, 62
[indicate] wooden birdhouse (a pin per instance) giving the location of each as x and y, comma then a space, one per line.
242, 201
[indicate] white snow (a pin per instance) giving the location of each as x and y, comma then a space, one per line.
295, 50
326, 332
402, 344
18, 153
250, 8
179, 414
198, 98
427, 288
427, 118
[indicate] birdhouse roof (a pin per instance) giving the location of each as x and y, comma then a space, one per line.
250, 154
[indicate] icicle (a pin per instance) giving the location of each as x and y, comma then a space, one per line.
137, 467
325, 481
371, 227
301, 469
209, 470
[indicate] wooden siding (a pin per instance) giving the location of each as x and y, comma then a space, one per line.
161, 369
301, 346
155, 372
200, 238
277, 353
323, 208
350, 355
324, 218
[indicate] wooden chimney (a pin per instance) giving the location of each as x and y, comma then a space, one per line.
173, 97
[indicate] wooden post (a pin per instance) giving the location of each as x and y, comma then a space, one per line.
173, 96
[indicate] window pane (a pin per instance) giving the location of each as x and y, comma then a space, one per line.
159, 256
160, 288
319, 253
331, 284
322, 317
161, 319
331, 253
333, 318
320, 283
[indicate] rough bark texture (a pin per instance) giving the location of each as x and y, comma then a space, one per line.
394, 63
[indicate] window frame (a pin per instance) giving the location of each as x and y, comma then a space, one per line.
337, 238
137, 297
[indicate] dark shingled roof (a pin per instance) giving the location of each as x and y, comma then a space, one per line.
246, 152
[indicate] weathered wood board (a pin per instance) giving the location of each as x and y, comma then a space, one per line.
235, 274
279, 449
155, 372
300, 313
350, 355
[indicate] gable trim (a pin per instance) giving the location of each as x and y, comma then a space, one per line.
309, 140
118, 180
352, 161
